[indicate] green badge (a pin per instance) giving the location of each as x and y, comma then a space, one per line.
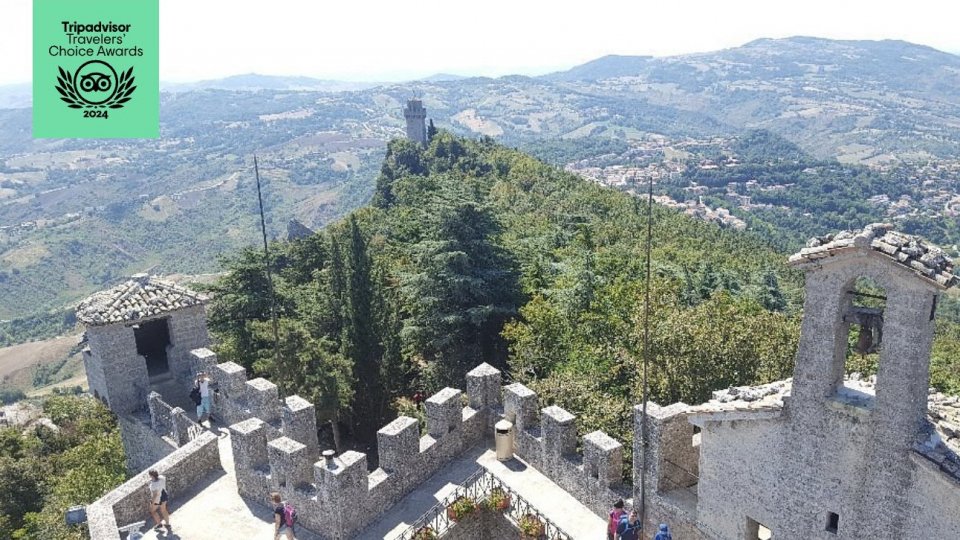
96, 70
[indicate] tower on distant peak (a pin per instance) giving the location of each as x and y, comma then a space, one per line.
416, 117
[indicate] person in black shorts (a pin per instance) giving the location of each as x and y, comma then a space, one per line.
158, 498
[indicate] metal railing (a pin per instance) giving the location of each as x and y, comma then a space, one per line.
478, 487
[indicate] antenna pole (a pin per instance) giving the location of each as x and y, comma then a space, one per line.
266, 265
646, 357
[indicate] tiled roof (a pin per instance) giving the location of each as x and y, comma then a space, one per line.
141, 296
913, 252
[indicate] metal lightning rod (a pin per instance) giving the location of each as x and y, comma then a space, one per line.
266, 264
646, 358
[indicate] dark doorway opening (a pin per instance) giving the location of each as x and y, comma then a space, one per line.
153, 337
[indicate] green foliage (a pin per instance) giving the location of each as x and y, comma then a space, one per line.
486, 254
11, 395
44, 471
475, 253
40, 326
945, 358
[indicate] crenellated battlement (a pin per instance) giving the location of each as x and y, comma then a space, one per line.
337, 494
548, 442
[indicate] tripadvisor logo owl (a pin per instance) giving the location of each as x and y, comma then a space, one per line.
95, 87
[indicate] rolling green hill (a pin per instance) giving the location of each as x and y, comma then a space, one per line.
77, 216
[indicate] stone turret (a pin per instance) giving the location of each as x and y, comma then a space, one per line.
139, 332
416, 117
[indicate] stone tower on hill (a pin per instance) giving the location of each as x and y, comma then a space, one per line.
416, 117
140, 333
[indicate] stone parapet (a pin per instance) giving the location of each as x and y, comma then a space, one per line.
484, 386
299, 422
398, 443
443, 412
520, 406
290, 464
263, 400
128, 503
342, 496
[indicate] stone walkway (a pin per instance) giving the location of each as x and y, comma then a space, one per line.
214, 510
425, 497
552, 501
549, 499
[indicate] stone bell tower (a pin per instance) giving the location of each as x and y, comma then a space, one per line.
847, 442
416, 117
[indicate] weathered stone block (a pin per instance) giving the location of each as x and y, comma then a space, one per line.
520, 406
231, 379
559, 432
263, 399
603, 457
483, 386
300, 423
342, 480
249, 442
290, 466
203, 359
398, 443
184, 429
443, 412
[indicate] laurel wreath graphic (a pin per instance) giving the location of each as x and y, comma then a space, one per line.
66, 85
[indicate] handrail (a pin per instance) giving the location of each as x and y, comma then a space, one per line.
477, 487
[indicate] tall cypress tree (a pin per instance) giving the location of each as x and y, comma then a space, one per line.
359, 340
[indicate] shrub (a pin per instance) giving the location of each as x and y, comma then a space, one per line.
461, 507
531, 526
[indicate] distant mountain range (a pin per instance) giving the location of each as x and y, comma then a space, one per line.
254, 81
78, 214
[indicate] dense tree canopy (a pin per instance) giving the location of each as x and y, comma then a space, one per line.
475, 252
45, 470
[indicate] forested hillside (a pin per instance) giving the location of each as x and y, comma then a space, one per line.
77, 216
473, 252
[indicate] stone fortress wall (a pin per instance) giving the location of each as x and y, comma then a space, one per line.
787, 456
128, 504
337, 495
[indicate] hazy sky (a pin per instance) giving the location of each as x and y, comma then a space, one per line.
391, 40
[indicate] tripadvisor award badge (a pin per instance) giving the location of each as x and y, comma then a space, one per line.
96, 68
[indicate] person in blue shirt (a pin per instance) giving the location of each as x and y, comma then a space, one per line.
664, 533
629, 528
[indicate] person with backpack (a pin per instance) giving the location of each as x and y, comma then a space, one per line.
664, 533
284, 517
629, 527
614, 520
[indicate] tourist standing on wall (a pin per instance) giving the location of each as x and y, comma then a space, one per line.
614, 519
158, 499
202, 386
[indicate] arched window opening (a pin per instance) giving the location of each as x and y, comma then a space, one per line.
865, 319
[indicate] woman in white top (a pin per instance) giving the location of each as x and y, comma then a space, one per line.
158, 498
